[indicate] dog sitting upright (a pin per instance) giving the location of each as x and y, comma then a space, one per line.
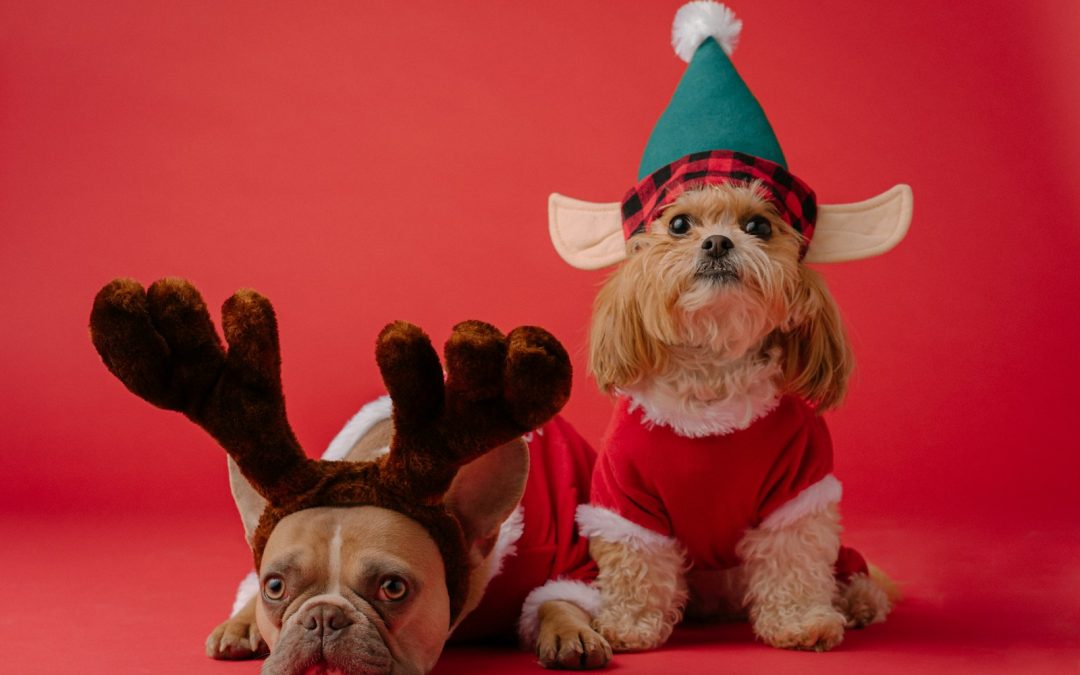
367, 565
713, 493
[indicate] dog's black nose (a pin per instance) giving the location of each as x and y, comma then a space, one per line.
326, 619
717, 246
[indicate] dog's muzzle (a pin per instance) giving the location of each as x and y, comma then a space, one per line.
326, 637
714, 261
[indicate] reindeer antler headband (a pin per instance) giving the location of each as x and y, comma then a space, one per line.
162, 345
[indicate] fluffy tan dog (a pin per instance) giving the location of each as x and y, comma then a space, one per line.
713, 493
708, 330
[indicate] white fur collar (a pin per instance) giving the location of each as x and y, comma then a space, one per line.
748, 392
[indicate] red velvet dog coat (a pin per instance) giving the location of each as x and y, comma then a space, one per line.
707, 491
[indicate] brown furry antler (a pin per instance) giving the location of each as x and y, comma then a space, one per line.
496, 388
162, 345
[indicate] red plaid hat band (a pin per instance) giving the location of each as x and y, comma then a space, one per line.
793, 198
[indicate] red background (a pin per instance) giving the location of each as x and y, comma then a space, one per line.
364, 162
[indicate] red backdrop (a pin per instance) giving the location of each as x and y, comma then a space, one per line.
360, 164
364, 162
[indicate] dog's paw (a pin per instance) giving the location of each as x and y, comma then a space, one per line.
647, 630
236, 639
862, 602
817, 629
566, 641
571, 648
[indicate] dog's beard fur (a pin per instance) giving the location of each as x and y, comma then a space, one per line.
680, 325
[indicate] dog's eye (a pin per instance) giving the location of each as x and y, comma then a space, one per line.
679, 226
274, 588
759, 227
393, 589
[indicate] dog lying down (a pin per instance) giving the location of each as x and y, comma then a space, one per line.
367, 565
536, 557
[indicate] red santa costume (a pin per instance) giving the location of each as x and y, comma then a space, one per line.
652, 484
541, 555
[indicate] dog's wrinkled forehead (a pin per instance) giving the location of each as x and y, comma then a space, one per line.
354, 547
358, 485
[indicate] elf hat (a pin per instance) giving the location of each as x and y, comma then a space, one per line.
714, 131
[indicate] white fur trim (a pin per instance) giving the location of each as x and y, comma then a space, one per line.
247, 589
596, 521
693, 419
529, 435
697, 21
361, 423
505, 546
579, 593
509, 534
814, 499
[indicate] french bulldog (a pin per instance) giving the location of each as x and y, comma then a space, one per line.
368, 560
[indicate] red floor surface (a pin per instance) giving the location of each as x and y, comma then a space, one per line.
108, 594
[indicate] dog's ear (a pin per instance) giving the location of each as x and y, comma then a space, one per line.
486, 491
817, 358
249, 502
620, 350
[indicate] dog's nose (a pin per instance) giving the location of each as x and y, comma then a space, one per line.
717, 246
326, 620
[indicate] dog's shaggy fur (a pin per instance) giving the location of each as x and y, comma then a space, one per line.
706, 345
644, 591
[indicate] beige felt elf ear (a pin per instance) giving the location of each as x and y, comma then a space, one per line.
863, 229
589, 235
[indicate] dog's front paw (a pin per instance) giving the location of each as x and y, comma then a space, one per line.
235, 639
577, 648
566, 641
818, 629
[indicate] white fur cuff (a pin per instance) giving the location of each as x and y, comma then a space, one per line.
814, 499
247, 589
596, 521
577, 592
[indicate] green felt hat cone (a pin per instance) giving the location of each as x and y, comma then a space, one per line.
712, 108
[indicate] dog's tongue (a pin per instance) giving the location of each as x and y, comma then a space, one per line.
323, 669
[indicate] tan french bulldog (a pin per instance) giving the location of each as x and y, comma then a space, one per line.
364, 565
366, 583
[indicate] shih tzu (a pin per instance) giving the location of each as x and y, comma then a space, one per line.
713, 494
714, 486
